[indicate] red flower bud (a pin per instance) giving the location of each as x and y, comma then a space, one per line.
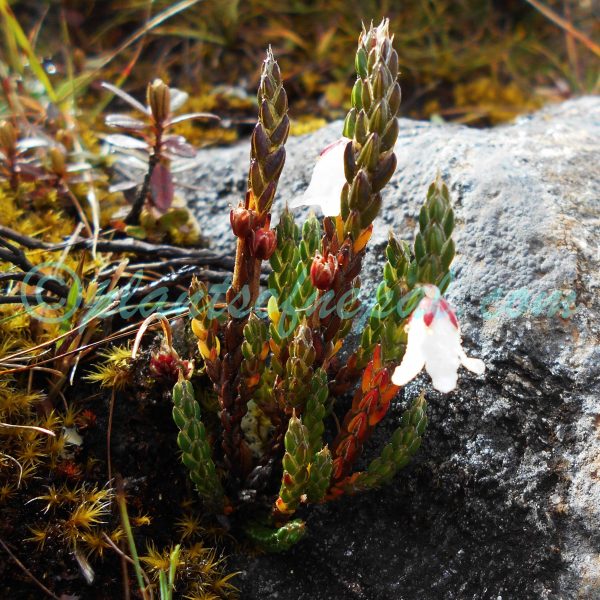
323, 271
241, 220
166, 366
264, 243
163, 366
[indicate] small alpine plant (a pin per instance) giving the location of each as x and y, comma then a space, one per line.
271, 440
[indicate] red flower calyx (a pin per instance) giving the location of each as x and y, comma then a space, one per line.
264, 243
323, 271
242, 221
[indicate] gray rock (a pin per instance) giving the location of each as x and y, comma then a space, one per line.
503, 499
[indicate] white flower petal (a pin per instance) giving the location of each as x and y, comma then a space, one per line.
408, 369
475, 365
414, 358
441, 350
444, 382
327, 181
434, 341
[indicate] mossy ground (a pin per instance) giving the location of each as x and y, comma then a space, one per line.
57, 490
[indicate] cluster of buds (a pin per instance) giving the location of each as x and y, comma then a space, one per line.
260, 238
347, 264
250, 221
242, 221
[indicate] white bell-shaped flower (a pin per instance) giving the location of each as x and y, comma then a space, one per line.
327, 180
434, 342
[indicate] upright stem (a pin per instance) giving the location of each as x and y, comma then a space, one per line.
14, 176
266, 162
246, 275
133, 218
369, 162
131, 542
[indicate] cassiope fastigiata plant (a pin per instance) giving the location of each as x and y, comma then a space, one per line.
278, 443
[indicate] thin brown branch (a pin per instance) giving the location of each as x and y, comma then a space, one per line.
125, 558
28, 572
133, 218
129, 245
17, 257
30, 299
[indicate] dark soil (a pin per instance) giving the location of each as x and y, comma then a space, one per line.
144, 455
